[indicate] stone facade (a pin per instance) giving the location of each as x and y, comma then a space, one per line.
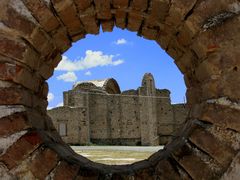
201, 36
98, 112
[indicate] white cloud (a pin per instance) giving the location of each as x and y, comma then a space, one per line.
68, 77
88, 73
50, 97
92, 59
120, 41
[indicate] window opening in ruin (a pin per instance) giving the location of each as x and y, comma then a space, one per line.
117, 88
62, 129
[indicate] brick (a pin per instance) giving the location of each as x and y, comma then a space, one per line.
16, 49
70, 171
219, 115
21, 149
192, 164
120, 3
157, 12
134, 21
39, 168
42, 14
68, 14
103, 8
22, 23
164, 170
216, 149
139, 5
120, 19
13, 123
46, 71
82, 5
18, 74
14, 95
107, 25
149, 33
61, 39
89, 21
178, 11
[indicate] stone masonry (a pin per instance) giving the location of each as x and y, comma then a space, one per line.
202, 36
98, 112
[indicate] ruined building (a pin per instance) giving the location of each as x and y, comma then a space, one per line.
98, 112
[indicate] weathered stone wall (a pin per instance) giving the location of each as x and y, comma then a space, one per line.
201, 36
144, 116
76, 121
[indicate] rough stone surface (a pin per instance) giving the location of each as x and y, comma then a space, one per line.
96, 111
203, 38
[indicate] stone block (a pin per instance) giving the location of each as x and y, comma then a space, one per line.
16, 49
82, 5
89, 21
120, 19
13, 123
216, 149
61, 39
157, 12
15, 95
134, 21
149, 33
193, 163
39, 169
69, 16
107, 25
19, 75
70, 171
103, 9
42, 14
139, 5
120, 4
20, 21
21, 149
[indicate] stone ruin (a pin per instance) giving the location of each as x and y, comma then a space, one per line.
98, 112
202, 36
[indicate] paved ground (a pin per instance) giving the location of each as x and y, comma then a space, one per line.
116, 155
121, 148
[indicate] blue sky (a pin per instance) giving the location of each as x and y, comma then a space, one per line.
120, 54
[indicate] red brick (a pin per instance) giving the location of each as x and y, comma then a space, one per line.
13, 123
21, 149
103, 8
43, 163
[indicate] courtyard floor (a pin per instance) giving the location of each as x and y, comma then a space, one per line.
116, 155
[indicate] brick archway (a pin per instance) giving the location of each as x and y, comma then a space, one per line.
201, 35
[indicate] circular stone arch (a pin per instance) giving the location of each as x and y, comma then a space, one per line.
202, 36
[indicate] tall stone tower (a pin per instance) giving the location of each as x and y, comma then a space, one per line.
148, 114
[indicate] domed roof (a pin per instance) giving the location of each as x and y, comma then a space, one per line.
109, 85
